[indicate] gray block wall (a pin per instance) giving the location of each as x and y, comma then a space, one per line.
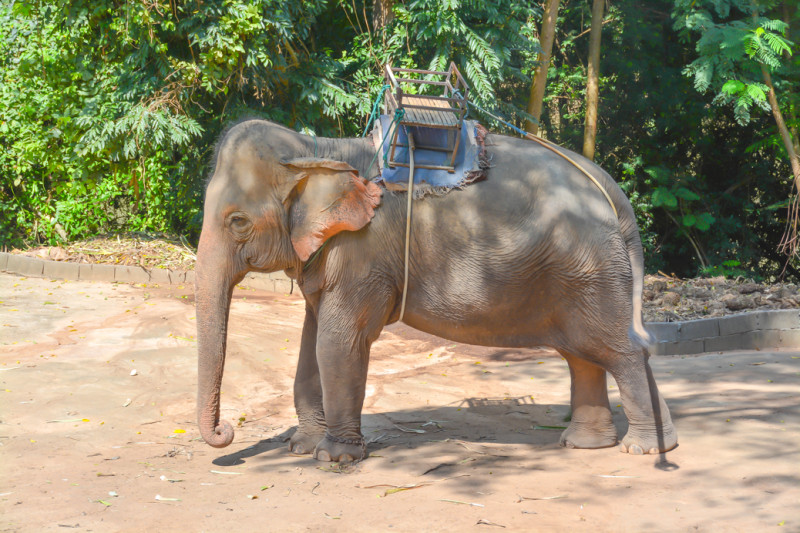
747, 331
35, 267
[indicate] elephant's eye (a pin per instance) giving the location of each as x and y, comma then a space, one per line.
239, 223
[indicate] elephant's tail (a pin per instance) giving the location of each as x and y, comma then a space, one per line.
638, 333
630, 232
633, 243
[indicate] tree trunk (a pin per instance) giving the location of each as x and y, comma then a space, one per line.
789, 242
382, 14
554, 112
788, 20
546, 37
592, 88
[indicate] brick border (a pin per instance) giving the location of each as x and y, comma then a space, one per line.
42, 268
755, 330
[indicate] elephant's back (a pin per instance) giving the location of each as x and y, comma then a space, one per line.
529, 191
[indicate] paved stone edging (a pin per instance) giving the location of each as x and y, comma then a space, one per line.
755, 330
35, 267
747, 331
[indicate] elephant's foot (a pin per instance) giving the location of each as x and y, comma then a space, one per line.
589, 435
648, 440
305, 440
335, 449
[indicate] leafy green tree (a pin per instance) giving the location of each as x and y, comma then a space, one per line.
109, 111
691, 171
739, 49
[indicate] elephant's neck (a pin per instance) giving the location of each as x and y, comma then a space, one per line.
358, 153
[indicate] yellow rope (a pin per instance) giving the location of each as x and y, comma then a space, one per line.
549, 146
408, 222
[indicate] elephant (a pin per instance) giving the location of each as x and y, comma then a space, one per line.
533, 255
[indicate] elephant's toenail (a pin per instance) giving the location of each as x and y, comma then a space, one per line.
636, 450
323, 455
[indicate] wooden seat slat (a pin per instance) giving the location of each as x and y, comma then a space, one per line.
432, 111
446, 111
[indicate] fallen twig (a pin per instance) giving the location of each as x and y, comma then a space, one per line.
462, 503
399, 488
522, 498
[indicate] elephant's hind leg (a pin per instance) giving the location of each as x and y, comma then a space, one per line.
591, 425
650, 427
308, 392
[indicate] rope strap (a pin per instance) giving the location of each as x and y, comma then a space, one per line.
550, 146
373, 115
411, 148
398, 116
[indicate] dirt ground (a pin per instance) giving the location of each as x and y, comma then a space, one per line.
97, 432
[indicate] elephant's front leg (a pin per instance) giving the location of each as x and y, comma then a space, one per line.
308, 392
343, 369
346, 332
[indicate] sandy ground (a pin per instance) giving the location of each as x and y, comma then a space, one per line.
87, 445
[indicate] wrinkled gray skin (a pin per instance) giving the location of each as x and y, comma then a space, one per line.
534, 255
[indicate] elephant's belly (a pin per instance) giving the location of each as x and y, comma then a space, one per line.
513, 308
511, 318
488, 334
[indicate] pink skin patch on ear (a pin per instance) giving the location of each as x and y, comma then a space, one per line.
351, 212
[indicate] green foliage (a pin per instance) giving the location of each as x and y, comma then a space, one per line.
729, 269
730, 51
109, 111
492, 42
703, 187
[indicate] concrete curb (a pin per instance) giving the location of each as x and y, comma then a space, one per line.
43, 268
755, 330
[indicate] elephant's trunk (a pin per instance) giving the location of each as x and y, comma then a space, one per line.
213, 289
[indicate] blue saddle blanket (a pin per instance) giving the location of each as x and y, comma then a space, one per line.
470, 162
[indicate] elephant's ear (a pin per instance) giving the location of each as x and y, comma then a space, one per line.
325, 198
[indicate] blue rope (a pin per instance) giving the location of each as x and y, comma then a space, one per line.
510, 125
373, 115
399, 113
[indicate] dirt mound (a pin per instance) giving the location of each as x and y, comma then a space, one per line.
130, 249
670, 299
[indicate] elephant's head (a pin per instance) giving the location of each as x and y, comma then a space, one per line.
266, 209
